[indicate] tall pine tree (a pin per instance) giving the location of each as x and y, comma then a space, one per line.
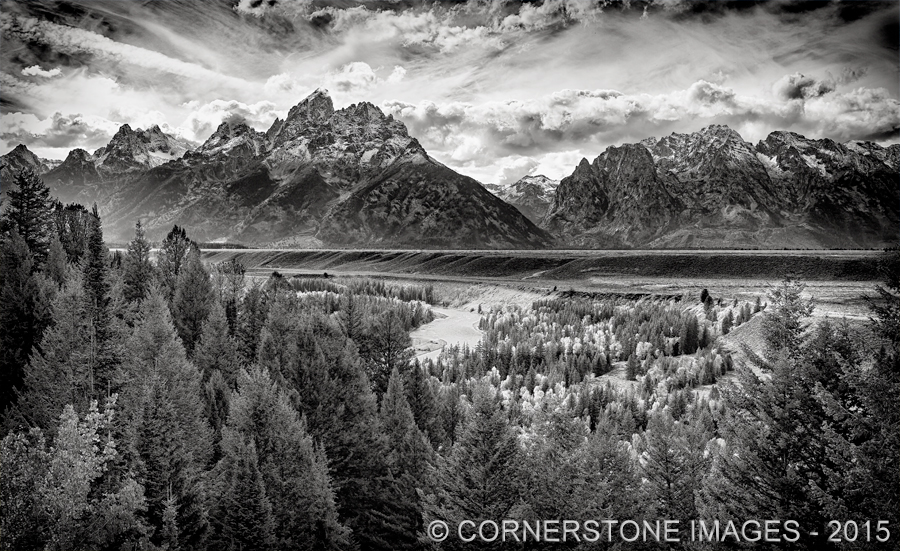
294, 470
217, 350
31, 213
480, 478
104, 357
192, 299
60, 372
409, 456
163, 392
138, 274
242, 515
172, 254
24, 313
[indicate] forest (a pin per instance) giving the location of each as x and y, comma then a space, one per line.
151, 401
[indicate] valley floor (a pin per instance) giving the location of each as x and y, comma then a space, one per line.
838, 280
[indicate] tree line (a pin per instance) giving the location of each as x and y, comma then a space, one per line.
167, 404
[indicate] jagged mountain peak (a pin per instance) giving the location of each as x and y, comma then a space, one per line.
532, 194
316, 107
721, 131
365, 111
131, 149
538, 179
234, 137
77, 155
124, 130
21, 156
22, 149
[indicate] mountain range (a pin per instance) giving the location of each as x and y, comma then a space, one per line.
712, 189
354, 177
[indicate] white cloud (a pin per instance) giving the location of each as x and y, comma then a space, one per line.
594, 119
56, 131
205, 118
353, 77
433, 27
36, 71
397, 75
513, 169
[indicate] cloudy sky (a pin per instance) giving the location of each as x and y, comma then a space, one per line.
495, 90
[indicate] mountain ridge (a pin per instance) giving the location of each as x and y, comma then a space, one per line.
354, 176
314, 178
713, 189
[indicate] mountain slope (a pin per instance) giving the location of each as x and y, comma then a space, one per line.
417, 201
532, 195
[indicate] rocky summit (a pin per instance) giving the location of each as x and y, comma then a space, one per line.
712, 189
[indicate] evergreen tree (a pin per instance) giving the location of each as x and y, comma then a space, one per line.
673, 465
55, 268
409, 454
217, 350
172, 254
386, 347
254, 310
727, 323
479, 479
554, 482
73, 223
631, 367
409, 449
775, 450
862, 429
30, 211
782, 325
294, 471
104, 357
216, 400
423, 403
689, 338
351, 317
157, 373
170, 475
24, 313
242, 517
324, 374
192, 299
229, 284
60, 372
138, 271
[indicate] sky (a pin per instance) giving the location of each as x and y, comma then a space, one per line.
495, 90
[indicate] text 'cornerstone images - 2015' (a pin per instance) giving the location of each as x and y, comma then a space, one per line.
355, 275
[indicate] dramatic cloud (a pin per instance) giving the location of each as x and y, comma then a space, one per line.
36, 71
798, 86
576, 118
490, 88
55, 132
204, 119
73, 41
512, 170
